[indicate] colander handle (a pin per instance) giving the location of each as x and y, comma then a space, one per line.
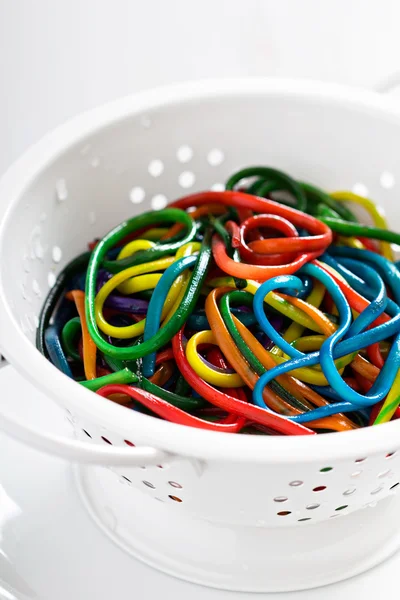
73, 450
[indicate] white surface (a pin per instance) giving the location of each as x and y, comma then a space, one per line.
59, 58
50, 548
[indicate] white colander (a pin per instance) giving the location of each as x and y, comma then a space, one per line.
238, 512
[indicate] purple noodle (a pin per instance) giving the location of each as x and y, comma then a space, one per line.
122, 303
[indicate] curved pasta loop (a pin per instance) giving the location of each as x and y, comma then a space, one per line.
265, 308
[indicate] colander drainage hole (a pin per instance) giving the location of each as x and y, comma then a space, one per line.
36, 287
126, 479
280, 499
377, 490
156, 167
106, 440
325, 469
395, 485
56, 254
304, 519
149, 484
387, 180
296, 483
342, 507
137, 195
312, 506
175, 498
356, 474
51, 279
284, 513
61, 190
360, 460
184, 154
384, 474
128, 443
319, 488
391, 454
158, 202
360, 189
174, 484
215, 157
186, 179
87, 433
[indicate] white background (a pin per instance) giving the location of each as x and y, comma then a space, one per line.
59, 57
